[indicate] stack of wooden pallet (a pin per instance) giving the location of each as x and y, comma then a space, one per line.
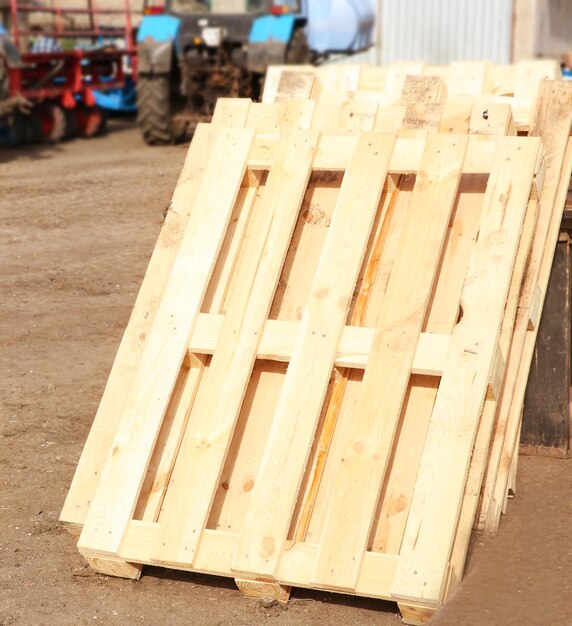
320, 382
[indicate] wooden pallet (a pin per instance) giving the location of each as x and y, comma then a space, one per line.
331, 295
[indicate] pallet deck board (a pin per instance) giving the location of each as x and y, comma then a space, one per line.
371, 436
274, 495
116, 496
212, 424
445, 460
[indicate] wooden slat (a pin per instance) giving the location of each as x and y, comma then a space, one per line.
483, 438
316, 470
124, 470
443, 314
295, 85
176, 417
334, 151
245, 454
217, 548
467, 78
279, 337
423, 89
168, 441
274, 495
370, 440
231, 111
388, 233
438, 494
493, 119
136, 333
212, 424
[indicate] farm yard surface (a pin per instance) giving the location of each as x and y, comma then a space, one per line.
79, 222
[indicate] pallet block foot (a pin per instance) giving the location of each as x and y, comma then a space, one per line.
111, 567
74, 530
263, 589
416, 614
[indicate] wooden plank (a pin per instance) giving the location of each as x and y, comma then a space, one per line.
274, 495
397, 73
245, 454
231, 111
343, 117
444, 313
279, 337
423, 89
334, 151
295, 86
546, 418
271, 117
493, 119
482, 443
438, 494
529, 74
217, 549
381, 258
455, 119
211, 427
124, 470
176, 417
467, 78
168, 441
420, 119
135, 337
370, 440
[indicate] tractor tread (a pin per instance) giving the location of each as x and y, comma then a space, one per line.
154, 109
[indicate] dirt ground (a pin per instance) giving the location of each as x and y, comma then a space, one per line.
78, 224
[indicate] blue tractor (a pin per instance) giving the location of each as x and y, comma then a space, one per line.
191, 52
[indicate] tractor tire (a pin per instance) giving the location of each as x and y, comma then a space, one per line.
54, 121
70, 123
33, 129
13, 131
93, 121
154, 109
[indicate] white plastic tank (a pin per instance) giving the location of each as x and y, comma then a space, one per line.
340, 25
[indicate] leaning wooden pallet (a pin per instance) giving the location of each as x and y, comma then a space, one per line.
179, 537
235, 495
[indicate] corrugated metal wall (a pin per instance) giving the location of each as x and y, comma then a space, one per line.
442, 31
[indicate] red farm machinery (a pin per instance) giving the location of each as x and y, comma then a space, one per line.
62, 56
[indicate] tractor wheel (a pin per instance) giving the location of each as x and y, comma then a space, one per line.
53, 122
93, 121
70, 123
154, 109
13, 130
298, 52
